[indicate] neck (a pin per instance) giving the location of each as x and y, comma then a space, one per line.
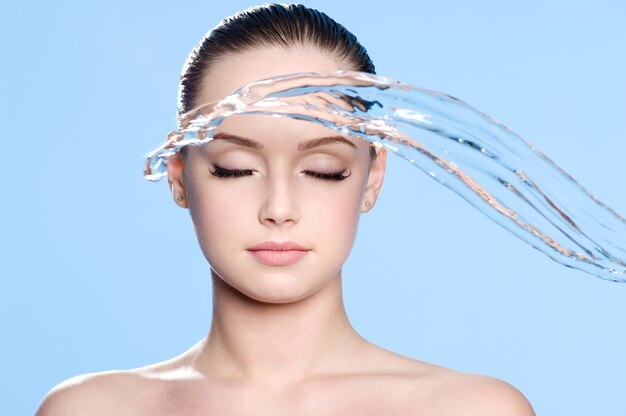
279, 343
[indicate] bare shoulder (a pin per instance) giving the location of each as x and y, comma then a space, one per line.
470, 394
93, 394
433, 390
457, 393
139, 391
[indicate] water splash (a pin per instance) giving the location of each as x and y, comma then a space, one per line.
490, 166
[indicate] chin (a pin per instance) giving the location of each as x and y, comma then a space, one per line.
277, 286
280, 293
280, 289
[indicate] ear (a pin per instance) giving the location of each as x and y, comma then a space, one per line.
175, 180
374, 181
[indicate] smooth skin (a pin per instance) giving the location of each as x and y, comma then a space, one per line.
280, 342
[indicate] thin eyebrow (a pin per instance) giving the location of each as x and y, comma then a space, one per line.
309, 144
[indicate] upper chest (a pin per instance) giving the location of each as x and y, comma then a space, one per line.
363, 396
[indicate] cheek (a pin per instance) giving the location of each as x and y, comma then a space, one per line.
336, 212
335, 209
216, 215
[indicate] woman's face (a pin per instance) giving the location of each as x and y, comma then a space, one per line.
270, 180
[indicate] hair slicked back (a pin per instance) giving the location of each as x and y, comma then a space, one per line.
267, 25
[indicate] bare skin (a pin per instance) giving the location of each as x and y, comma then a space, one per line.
280, 341
359, 379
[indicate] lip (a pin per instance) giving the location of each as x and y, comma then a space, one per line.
278, 246
274, 253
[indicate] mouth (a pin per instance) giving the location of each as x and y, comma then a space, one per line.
278, 258
273, 253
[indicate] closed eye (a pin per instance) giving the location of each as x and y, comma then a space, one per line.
236, 173
230, 173
335, 176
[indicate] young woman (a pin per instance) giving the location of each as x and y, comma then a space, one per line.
275, 203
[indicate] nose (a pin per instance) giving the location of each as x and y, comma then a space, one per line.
279, 207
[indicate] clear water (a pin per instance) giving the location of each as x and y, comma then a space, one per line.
490, 166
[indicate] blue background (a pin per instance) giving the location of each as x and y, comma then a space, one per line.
100, 270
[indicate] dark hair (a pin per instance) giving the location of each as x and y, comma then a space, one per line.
282, 25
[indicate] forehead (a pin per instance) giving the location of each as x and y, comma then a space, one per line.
237, 69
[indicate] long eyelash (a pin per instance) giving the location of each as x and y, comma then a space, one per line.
228, 173
235, 173
337, 176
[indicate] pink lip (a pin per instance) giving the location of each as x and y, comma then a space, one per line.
278, 254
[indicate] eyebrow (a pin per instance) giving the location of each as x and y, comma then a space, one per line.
309, 144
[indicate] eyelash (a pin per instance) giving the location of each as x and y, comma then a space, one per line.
228, 173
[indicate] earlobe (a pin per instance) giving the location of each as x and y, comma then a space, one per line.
175, 172
375, 180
